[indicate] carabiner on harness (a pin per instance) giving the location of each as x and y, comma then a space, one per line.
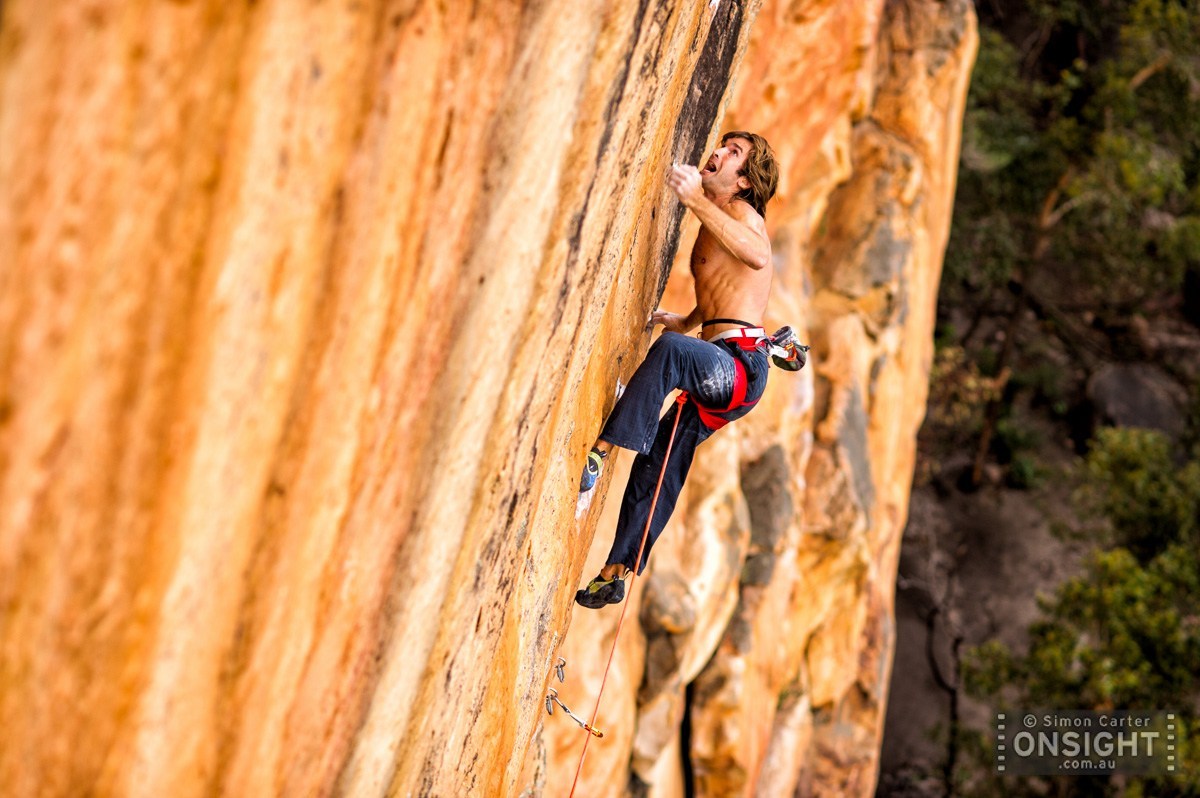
787, 352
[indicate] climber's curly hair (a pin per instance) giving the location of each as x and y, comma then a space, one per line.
759, 168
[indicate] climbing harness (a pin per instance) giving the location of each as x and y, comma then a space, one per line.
679, 402
753, 333
712, 417
785, 350
748, 339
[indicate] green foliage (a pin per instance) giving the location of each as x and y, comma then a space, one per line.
958, 397
958, 394
1135, 483
1116, 637
988, 669
1046, 381
1191, 438
1080, 179
1025, 472
1013, 439
1001, 152
999, 126
1081, 151
1183, 241
1014, 445
944, 335
1126, 633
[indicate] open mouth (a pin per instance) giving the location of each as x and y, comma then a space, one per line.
710, 167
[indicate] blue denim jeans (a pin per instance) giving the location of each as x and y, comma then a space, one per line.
706, 371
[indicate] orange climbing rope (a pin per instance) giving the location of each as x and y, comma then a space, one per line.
679, 402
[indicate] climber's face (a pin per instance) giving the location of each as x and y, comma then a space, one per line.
720, 172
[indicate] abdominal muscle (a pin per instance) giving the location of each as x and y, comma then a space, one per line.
727, 288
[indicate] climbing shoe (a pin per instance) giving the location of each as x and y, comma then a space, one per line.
591, 471
600, 592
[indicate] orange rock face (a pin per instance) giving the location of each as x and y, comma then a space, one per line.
307, 319
782, 553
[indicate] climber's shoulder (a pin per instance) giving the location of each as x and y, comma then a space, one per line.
744, 212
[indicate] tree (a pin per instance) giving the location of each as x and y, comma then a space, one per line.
1079, 182
1081, 156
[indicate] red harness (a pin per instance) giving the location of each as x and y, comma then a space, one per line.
711, 416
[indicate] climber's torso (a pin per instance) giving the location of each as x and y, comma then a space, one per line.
727, 288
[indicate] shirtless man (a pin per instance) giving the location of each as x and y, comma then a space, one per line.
724, 371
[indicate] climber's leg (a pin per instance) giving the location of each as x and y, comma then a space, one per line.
704, 370
608, 587
675, 361
643, 477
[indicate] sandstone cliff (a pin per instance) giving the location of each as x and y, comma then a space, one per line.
308, 317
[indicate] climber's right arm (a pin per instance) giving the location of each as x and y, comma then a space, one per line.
674, 322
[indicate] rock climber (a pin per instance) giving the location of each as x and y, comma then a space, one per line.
723, 371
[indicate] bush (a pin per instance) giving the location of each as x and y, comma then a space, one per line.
1135, 483
1126, 633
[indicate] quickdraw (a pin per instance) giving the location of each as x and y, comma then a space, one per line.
552, 699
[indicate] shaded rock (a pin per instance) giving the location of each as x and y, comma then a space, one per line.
1191, 294
765, 483
1138, 395
669, 609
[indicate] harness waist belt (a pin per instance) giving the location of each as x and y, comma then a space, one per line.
725, 321
754, 333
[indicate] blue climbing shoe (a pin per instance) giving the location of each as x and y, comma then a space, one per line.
600, 592
591, 471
